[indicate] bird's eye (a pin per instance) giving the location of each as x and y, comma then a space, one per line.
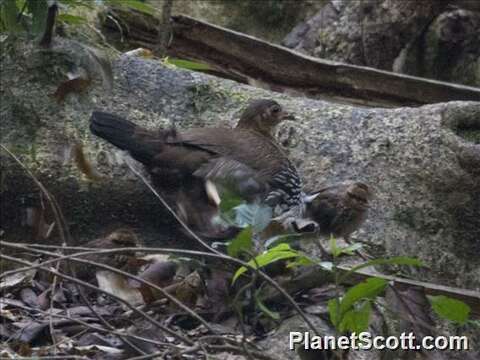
276, 109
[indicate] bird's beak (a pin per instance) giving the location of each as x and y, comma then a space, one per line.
287, 116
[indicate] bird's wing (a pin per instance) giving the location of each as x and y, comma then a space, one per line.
326, 207
244, 154
236, 176
242, 145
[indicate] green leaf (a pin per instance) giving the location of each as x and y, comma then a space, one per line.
368, 289
356, 319
301, 260
334, 312
38, 9
349, 250
282, 251
241, 243
344, 316
187, 64
334, 249
8, 15
259, 216
71, 19
229, 201
450, 309
398, 260
133, 4
263, 308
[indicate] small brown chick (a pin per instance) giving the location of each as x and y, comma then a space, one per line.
121, 238
340, 209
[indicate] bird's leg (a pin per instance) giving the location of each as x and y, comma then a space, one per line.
323, 252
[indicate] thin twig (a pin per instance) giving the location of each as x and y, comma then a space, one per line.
95, 288
225, 257
93, 327
120, 272
65, 236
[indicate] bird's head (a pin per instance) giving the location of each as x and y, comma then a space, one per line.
263, 115
359, 194
123, 237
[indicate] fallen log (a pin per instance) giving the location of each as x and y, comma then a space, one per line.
250, 60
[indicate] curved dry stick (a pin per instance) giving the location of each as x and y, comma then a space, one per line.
95, 288
260, 273
120, 272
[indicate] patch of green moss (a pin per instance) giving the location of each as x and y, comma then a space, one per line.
471, 135
205, 96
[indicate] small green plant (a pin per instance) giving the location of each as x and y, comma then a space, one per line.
31, 15
279, 252
351, 312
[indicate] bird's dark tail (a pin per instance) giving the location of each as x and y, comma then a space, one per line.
140, 143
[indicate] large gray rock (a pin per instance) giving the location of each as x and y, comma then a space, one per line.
424, 163
449, 50
426, 38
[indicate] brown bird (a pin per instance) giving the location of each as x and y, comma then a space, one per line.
126, 261
340, 209
245, 160
261, 116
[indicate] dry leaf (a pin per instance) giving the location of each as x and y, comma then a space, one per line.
29, 297
117, 285
94, 349
83, 164
76, 85
190, 289
159, 273
16, 279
